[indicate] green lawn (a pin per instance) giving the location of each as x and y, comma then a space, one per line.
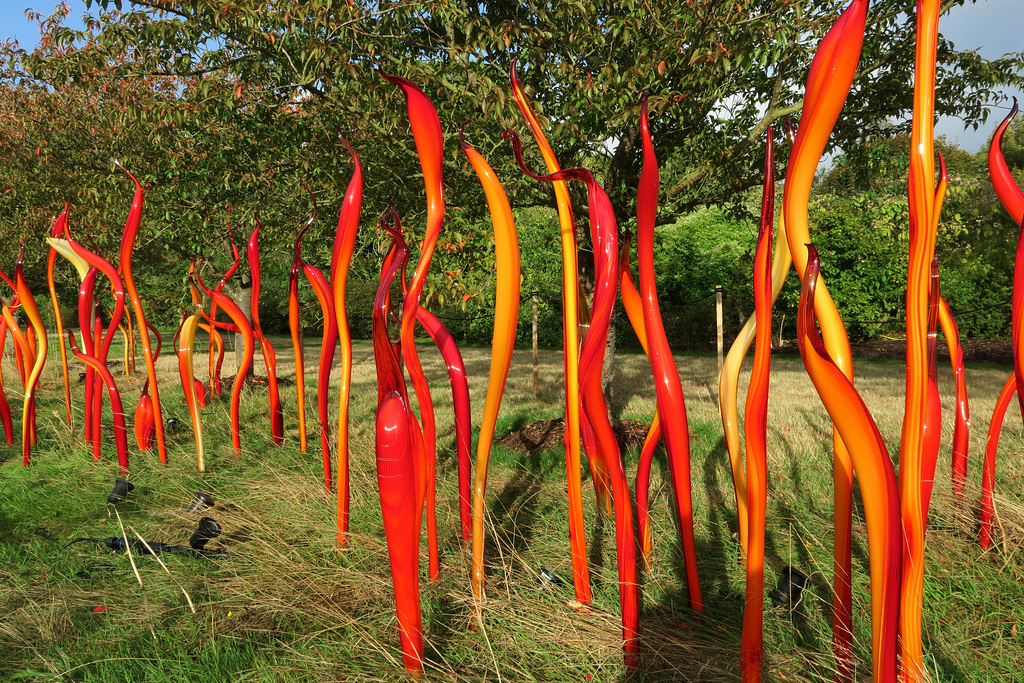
284, 605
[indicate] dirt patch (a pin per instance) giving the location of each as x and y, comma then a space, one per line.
253, 381
543, 435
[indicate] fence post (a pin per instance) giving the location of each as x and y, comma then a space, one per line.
719, 321
536, 363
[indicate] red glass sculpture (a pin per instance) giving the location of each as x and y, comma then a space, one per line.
59, 229
330, 337
916, 448
100, 368
570, 344
248, 344
1012, 199
131, 231
341, 257
962, 422
666, 376
605, 241
828, 83
426, 132
398, 480
269, 356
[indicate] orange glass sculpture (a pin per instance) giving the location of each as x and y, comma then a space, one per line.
506, 318
755, 432
59, 229
266, 348
874, 471
570, 344
828, 84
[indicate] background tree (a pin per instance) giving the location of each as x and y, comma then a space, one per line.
218, 103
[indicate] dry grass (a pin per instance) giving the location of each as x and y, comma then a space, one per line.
286, 605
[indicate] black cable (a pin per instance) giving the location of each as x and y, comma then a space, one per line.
120, 544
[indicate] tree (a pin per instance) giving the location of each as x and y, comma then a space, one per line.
717, 73
219, 104
861, 212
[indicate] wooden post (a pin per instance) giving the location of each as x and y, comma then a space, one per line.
536, 357
719, 321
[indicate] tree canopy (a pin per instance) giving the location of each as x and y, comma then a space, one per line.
216, 103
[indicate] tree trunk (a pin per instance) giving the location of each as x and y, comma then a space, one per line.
244, 300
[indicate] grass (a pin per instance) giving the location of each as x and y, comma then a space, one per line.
284, 605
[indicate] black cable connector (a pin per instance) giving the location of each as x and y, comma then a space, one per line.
122, 487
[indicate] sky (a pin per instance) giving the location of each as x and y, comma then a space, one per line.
992, 27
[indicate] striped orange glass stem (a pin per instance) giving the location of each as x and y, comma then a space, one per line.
876, 477
341, 257
962, 422
755, 432
728, 380
570, 346
506, 318
914, 449
828, 84
131, 232
606, 269
426, 132
59, 229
